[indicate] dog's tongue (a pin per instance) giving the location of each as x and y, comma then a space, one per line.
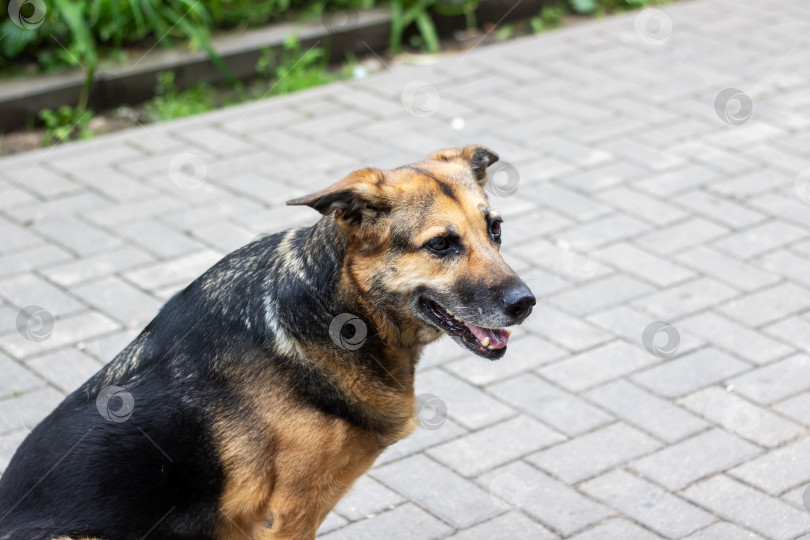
498, 337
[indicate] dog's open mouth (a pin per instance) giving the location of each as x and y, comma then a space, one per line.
487, 342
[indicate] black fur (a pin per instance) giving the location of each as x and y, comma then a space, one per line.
158, 473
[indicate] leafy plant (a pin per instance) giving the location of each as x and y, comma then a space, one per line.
170, 103
551, 17
405, 13
291, 69
65, 123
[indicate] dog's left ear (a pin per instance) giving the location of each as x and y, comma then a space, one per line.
478, 157
355, 199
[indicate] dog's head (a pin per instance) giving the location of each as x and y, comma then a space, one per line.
424, 248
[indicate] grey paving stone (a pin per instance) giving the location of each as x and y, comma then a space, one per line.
723, 531
641, 205
779, 470
65, 368
8, 446
224, 236
430, 485
602, 176
797, 407
600, 294
563, 411
76, 235
37, 256
735, 338
746, 506
661, 271
795, 330
786, 263
759, 239
26, 409
563, 329
648, 504
119, 300
741, 417
160, 240
523, 354
491, 447
28, 289
677, 466
571, 151
42, 181
553, 503
688, 373
67, 330
54, 209
616, 528
768, 305
16, 379
646, 411
727, 269
466, 404
367, 497
630, 324
685, 299
106, 347
332, 522
181, 270
94, 266
421, 439
510, 526
593, 453
604, 230
117, 185
407, 522
560, 264
565, 201
597, 366
775, 381
683, 235
676, 180
719, 209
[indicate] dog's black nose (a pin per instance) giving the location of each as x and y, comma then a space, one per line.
519, 301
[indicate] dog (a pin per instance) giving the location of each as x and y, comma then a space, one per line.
258, 394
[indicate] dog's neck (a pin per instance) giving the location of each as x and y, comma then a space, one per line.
312, 274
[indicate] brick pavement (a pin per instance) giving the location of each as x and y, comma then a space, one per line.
644, 193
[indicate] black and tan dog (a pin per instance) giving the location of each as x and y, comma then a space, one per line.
243, 410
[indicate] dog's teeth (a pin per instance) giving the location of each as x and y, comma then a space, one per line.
449, 312
485, 341
457, 318
491, 348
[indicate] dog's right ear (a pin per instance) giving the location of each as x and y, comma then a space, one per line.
355, 199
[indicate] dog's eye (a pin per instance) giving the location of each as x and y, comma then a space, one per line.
439, 244
495, 229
